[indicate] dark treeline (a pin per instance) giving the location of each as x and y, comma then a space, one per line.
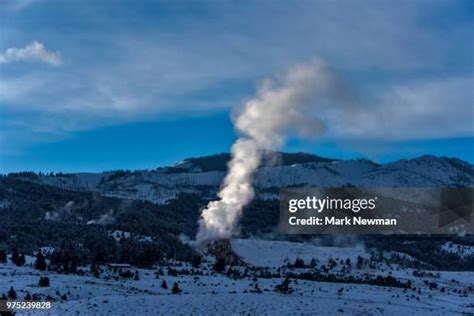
35, 215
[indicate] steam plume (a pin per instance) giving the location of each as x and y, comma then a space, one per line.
281, 108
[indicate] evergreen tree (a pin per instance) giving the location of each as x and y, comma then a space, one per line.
348, 263
73, 265
15, 255
94, 269
196, 261
40, 263
332, 263
21, 260
219, 265
176, 289
12, 294
3, 256
299, 263
164, 285
43, 282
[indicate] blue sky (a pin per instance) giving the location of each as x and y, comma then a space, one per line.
89, 85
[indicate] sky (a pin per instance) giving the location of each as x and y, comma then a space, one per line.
101, 85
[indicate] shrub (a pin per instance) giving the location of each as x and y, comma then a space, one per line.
284, 287
176, 289
43, 282
219, 265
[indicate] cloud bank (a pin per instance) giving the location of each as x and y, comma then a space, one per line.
33, 52
133, 66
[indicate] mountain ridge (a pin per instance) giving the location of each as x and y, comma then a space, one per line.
218, 162
204, 175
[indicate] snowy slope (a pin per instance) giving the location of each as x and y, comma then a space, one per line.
265, 253
215, 294
160, 185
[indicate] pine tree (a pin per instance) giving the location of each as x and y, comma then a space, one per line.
73, 265
176, 289
12, 294
219, 265
348, 263
40, 263
164, 285
15, 255
19, 259
94, 269
43, 282
3, 256
196, 261
299, 263
360, 262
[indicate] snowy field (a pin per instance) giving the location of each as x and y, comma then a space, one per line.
210, 293
266, 253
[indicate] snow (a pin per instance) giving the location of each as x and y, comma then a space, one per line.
461, 250
119, 234
264, 253
47, 250
159, 186
216, 294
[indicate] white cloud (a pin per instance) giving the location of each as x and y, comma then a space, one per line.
423, 109
411, 80
35, 52
435, 108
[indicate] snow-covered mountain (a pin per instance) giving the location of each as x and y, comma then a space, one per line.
205, 174
355, 275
